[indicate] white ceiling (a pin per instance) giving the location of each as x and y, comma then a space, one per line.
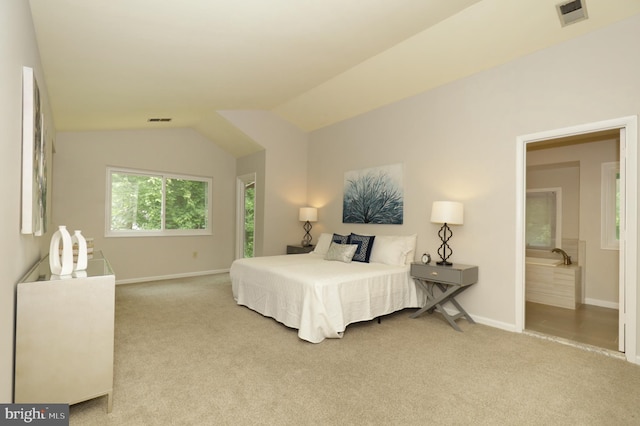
112, 64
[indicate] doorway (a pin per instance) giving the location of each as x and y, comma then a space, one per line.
587, 324
576, 302
245, 221
627, 127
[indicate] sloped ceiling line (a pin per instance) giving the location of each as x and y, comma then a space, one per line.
112, 65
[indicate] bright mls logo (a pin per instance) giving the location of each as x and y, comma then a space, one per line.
34, 414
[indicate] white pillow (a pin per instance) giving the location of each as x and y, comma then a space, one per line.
323, 244
411, 241
393, 249
341, 252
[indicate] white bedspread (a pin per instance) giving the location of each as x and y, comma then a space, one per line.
320, 297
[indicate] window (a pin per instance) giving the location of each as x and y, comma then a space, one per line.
610, 206
245, 218
544, 218
141, 203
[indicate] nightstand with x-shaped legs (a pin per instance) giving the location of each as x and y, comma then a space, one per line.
450, 281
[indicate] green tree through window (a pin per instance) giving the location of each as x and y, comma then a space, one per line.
187, 203
139, 200
249, 219
136, 202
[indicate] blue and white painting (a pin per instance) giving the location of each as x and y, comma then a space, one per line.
374, 195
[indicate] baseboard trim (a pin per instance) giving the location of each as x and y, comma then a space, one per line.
171, 277
495, 324
601, 303
485, 321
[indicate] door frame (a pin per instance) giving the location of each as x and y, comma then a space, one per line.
629, 233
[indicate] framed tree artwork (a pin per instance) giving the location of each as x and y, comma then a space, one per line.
374, 195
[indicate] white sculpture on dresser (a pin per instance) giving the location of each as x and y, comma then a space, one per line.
61, 256
81, 263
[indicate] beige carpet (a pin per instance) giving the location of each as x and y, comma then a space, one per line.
186, 354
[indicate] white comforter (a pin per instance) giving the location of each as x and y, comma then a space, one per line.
320, 297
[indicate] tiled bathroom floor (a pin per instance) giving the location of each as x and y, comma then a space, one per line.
588, 324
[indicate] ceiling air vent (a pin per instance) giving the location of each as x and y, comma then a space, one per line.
571, 12
159, 120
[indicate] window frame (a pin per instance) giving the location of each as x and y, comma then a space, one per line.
609, 214
163, 232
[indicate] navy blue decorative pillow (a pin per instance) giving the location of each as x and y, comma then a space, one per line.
365, 245
340, 239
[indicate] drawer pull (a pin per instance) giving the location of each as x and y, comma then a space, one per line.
434, 273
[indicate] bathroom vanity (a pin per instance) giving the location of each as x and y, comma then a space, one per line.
554, 284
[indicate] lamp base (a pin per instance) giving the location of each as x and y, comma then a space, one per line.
306, 240
444, 250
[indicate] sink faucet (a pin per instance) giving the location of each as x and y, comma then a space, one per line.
566, 258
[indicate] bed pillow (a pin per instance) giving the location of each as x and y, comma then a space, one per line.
323, 244
410, 240
340, 239
389, 250
341, 252
394, 250
365, 244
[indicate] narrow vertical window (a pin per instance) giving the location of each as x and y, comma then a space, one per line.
249, 218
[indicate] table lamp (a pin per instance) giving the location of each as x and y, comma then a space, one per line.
307, 215
447, 213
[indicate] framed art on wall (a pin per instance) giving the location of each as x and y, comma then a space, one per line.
374, 195
34, 162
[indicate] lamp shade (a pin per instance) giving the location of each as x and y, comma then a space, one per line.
308, 214
450, 212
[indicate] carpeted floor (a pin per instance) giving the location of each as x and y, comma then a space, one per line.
186, 354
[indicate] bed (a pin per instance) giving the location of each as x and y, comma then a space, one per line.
320, 293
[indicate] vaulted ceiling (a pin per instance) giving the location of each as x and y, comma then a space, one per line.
113, 64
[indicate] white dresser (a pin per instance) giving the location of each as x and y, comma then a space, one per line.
65, 335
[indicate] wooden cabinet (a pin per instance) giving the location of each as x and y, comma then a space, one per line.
554, 285
65, 335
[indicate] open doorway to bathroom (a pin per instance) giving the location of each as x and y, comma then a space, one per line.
593, 300
571, 275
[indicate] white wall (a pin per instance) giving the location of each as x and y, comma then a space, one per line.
285, 175
79, 197
17, 252
458, 142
